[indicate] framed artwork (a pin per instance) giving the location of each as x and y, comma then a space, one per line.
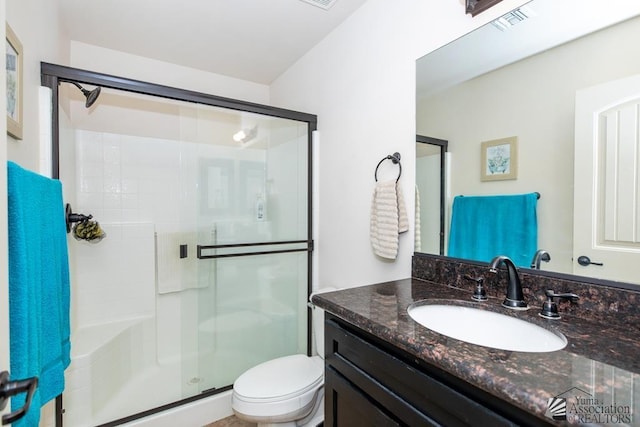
499, 159
474, 7
14, 84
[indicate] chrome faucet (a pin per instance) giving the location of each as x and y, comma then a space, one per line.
515, 298
541, 255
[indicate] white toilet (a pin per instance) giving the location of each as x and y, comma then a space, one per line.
287, 391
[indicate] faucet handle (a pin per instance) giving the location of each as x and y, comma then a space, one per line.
567, 295
479, 294
550, 308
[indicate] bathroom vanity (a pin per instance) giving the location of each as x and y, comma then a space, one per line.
372, 384
383, 368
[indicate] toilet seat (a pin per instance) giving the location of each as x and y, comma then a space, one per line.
280, 389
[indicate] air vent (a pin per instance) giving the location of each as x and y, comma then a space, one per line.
513, 18
324, 4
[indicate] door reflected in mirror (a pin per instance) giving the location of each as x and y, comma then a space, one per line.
430, 193
467, 96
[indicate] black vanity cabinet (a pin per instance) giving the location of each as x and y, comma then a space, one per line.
371, 383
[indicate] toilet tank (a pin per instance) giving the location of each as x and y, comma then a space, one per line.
317, 328
317, 323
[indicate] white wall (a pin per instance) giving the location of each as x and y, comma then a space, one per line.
360, 81
35, 24
94, 58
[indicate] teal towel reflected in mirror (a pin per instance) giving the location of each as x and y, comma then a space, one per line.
485, 226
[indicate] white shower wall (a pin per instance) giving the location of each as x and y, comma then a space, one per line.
135, 187
138, 189
115, 278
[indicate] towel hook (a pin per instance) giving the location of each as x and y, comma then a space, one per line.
395, 158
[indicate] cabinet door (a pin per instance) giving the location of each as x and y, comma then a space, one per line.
349, 406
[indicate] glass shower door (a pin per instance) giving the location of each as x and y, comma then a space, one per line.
253, 250
205, 268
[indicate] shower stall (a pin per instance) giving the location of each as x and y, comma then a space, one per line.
205, 268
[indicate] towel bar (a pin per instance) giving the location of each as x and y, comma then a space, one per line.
535, 192
395, 158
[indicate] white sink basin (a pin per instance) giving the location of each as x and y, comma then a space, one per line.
486, 328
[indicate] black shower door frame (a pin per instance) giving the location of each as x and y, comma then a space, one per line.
51, 75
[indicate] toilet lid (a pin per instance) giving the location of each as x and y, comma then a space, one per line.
281, 377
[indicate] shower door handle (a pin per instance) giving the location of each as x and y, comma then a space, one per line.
12, 388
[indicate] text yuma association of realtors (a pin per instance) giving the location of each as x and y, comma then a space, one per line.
591, 410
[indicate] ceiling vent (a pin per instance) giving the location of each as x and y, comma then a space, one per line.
324, 4
512, 18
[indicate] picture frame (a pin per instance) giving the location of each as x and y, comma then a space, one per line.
474, 7
14, 83
499, 159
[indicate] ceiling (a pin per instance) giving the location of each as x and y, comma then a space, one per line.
254, 40
550, 23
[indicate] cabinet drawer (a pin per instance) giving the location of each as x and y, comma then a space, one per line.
407, 393
350, 406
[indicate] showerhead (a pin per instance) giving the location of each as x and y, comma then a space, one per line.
91, 95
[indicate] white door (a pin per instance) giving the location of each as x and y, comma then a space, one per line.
606, 234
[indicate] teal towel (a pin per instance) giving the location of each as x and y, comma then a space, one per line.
485, 226
38, 286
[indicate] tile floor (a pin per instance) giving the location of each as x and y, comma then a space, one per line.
231, 421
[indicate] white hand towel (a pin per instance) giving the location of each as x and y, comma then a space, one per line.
403, 219
388, 219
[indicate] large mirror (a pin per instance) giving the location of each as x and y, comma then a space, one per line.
520, 77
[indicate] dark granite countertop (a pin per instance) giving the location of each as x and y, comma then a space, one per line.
598, 368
